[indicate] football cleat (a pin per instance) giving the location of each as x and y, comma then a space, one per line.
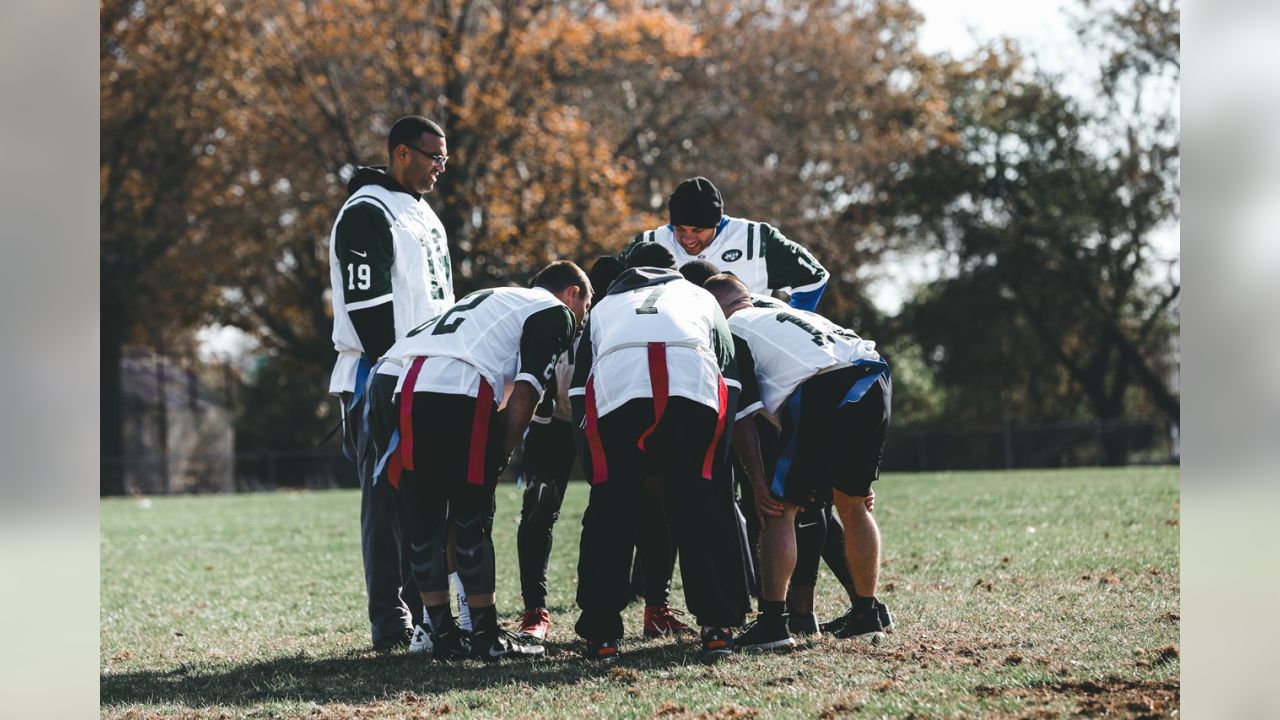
766, 633
661, 620
496, 644
420, 643
452, 643
717, 644
603, 650
861, 624
535, 624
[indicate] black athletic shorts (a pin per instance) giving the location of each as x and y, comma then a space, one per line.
832, 446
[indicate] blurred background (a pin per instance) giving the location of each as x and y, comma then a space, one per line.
995, 191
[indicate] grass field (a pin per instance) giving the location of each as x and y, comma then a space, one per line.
1020, 594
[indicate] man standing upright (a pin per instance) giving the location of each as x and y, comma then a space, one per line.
389, 268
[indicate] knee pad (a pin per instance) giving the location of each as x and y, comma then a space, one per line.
427, 561
473, 549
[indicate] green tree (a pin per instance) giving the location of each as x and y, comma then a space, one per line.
1053, 294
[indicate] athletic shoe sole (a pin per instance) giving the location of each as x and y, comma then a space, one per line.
789, 642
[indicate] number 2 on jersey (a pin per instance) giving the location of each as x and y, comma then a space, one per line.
448, 323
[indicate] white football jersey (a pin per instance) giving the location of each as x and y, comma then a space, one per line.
756, 253
789, 346
420, 280
676, 312
501, 335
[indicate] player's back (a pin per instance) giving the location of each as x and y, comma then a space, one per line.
789, 346
642, 309
483, 330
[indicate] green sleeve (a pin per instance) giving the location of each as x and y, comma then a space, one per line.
722, 342
546, 334
787, 264
365, 252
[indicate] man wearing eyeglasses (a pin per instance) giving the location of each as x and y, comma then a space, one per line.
389, 265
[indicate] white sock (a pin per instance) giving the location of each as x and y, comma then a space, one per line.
426, 620
464, 611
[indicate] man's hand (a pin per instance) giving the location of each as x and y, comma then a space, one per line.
871, 501
766, 505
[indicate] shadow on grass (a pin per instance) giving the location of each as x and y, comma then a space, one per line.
362, 676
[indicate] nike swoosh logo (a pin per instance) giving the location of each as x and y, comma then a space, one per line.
418, 548
361, 254
805, 525
498, 654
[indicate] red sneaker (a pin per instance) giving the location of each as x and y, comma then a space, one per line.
661, 620
535, 623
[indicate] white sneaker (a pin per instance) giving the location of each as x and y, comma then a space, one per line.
421, 641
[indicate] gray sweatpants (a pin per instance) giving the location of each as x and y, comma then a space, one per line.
394, 603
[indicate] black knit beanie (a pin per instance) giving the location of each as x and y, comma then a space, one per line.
696, 203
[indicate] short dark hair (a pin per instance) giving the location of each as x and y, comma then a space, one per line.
650, 254
408, 129
603, 272
720, 285
698, 271
562, 274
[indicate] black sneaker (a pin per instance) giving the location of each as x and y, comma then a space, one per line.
862, 624
834, 625
603, 650
394, 642
802, 624
717, 644
766, 633
451, 643
497, 643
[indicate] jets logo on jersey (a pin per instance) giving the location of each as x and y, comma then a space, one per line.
730, 255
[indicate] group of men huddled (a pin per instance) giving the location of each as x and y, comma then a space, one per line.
715, 424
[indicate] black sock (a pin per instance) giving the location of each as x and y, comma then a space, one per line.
441, 617
863, 603
484, 619
773, 607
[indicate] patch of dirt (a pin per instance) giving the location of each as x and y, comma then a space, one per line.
845, 707
121, 656
1111, 697
670, 709
623, 675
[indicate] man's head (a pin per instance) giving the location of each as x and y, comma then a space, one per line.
417, 153
729, 291
569, 284
650, 254
603, 272
698, 271
695, 209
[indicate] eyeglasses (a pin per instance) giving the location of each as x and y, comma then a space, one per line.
436, 158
